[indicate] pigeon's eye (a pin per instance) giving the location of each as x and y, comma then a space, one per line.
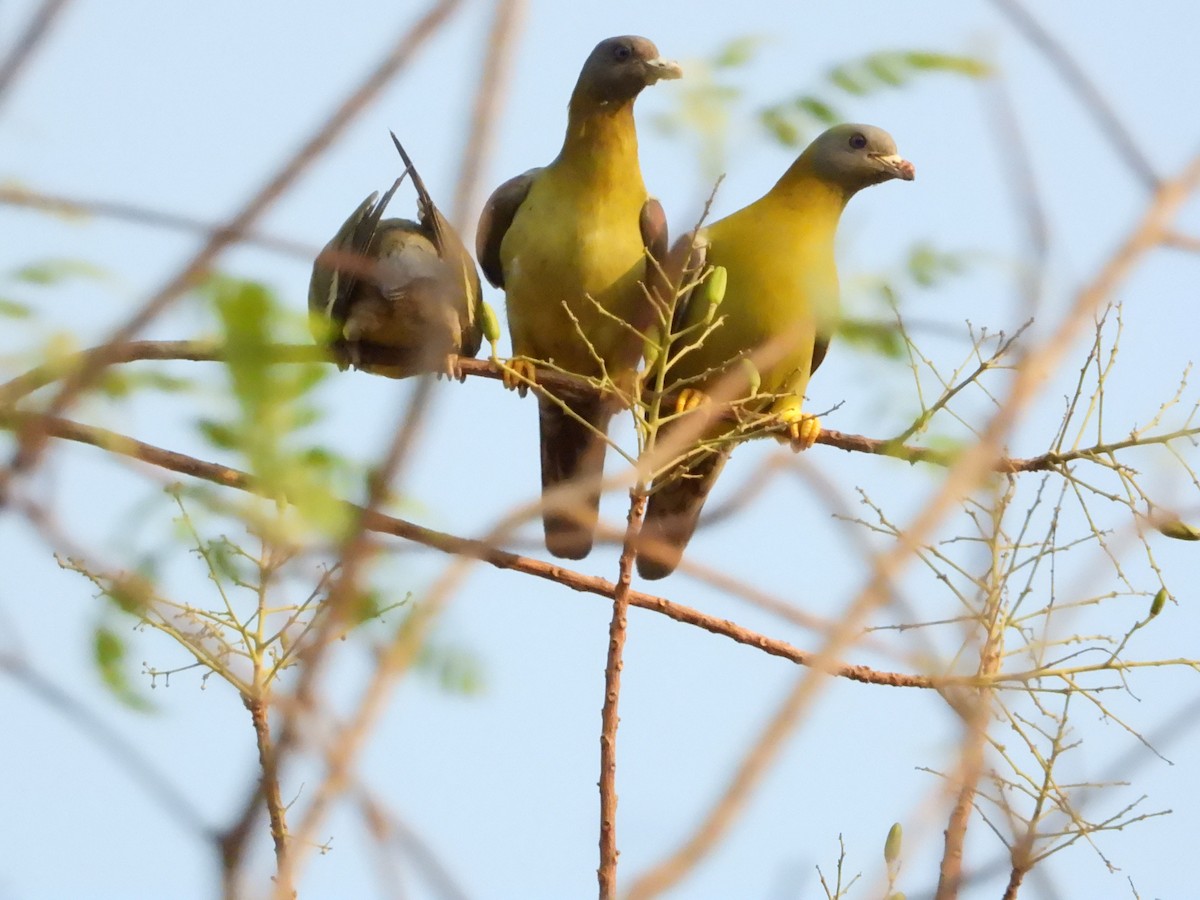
622, 52
858, 140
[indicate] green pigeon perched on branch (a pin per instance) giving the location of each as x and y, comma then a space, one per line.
406, 289
569, 244
778, 311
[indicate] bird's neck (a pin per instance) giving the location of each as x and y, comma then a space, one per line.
804, 198
600, 132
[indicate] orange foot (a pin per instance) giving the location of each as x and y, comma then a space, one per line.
802, 429
518, 374
689, 399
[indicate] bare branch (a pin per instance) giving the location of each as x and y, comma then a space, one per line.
401, 53
609, 717
35, 32
1085, 89
494, 77
458, 546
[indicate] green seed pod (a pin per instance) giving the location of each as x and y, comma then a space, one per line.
488, 322
712, 291
1159, 601
1179, 530
650, 352
752, 375
891, 847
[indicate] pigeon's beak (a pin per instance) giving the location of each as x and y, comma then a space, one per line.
659, 69
896, 166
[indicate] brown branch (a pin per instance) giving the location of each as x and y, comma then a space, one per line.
1015, 878
226, 476
494, 77
410, 41
269, 778
974, 706
1181, 241
389, 828
1085, 89
207, 351
609, 714
353, 554
141, 768
34, 33
748, 775
15, 195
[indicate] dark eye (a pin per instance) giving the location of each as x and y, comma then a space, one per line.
858, 140
622, 52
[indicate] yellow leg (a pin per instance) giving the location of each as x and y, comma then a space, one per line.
518, 374
802, 429
690, 399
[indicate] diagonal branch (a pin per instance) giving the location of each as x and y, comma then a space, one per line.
35, 32
195, 269
1090, 96
381, 523
494, 76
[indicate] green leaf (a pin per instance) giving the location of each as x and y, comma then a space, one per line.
944, 62
456, 669
738, 52
14, 309
927, 265
109, 654
817, 109
887, 68
129, 595
882, 338
780, 126
893, 69
841, 77
53, 271
219, 434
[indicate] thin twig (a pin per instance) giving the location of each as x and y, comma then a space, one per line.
22, 51
494, 77
1090, 97
140, 767
1018, 167
15, 195
392, 828
749, 773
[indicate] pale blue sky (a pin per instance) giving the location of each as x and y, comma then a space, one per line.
188, 107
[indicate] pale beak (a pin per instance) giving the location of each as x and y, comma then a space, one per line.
896, 166
659, 69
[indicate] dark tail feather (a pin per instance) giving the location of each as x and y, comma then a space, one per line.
572, 453
673, 512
